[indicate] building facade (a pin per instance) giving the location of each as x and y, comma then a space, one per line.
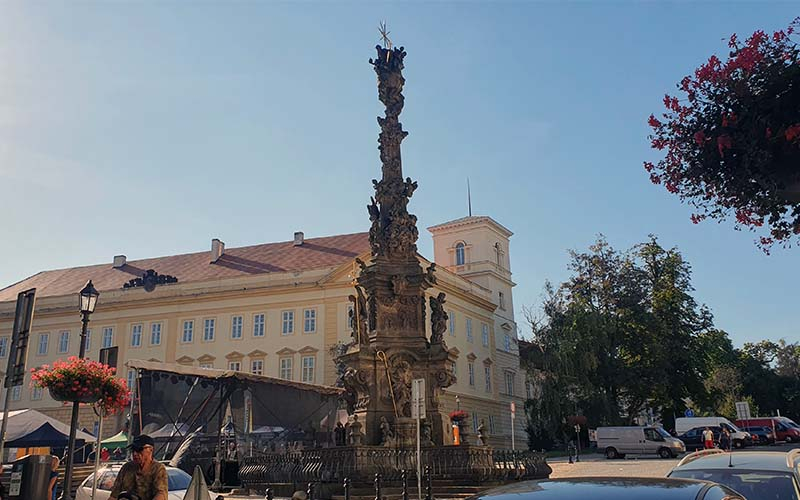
279, 310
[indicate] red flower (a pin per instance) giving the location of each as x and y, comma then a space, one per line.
792, 132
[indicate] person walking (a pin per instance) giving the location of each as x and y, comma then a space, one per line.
142, 476
725, 440
52, 486
708, 438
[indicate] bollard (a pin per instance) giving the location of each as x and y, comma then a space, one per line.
269, 494
310, 491
378, 486
347, 488
404, 479
428, 485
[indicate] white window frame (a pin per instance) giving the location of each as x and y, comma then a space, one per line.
46, 338
259, 320
237, 327
491, 425
108, 337
260, 369
209, 329
16, 393
471, 369
88, 340
452, 320
502, 300
510, 380
3, 347
474, 421
469, 330
287, 322
310, 320
351, 311
155, 333
487, 373
63, 341
136, 335
308, 370
528, 390
235, 366
36, 393
207, 366
285, 368
485, 334
461, 253
187, 339
131, 380
507, 342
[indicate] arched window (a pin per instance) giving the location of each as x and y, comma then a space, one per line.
460, 254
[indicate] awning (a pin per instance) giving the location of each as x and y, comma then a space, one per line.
30, 428
119, 440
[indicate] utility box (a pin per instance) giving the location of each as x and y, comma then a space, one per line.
30, 476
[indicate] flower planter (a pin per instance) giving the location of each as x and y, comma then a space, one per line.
61, 395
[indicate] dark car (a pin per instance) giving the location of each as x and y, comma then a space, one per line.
761, 434
611, 488
693, 438
758, 475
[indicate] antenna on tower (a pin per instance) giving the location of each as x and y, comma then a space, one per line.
469, 198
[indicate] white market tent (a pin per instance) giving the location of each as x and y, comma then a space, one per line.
30, 428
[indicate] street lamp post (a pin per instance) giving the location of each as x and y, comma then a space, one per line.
578, 442
88, 300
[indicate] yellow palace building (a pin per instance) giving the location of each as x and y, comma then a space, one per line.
277, 309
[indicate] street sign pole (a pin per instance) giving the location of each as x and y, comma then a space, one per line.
18, 354
418, 407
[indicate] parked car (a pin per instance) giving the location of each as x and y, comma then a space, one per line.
616, 442
177, 480
760, 434
739, 438
784, 428
693, 438
757, 475
613, 488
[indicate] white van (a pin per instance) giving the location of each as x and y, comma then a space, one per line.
739, 438
616, 442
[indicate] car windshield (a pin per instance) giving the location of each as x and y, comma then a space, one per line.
663, 432
753, 485
178, 480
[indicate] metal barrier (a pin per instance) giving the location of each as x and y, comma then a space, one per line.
363, 464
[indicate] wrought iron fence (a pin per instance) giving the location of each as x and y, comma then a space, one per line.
360, 464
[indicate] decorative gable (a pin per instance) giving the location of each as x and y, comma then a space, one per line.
206, 358
471, 356
234, 356
286, 352
308, 350
185, 360
257, 353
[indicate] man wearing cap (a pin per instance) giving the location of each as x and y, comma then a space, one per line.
143, 476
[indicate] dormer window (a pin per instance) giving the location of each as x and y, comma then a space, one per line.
460, 254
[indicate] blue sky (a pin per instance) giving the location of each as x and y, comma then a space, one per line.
148, 128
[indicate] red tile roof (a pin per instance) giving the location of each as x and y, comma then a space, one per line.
314, 253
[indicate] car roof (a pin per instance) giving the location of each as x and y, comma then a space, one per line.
599, 487
753, 460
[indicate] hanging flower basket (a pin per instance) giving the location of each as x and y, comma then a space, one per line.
62, 394
83, 381
458, 416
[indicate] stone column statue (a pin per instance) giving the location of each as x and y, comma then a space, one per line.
387, 434
355, 432
438, 319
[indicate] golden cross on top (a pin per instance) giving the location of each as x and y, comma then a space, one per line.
387, 44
